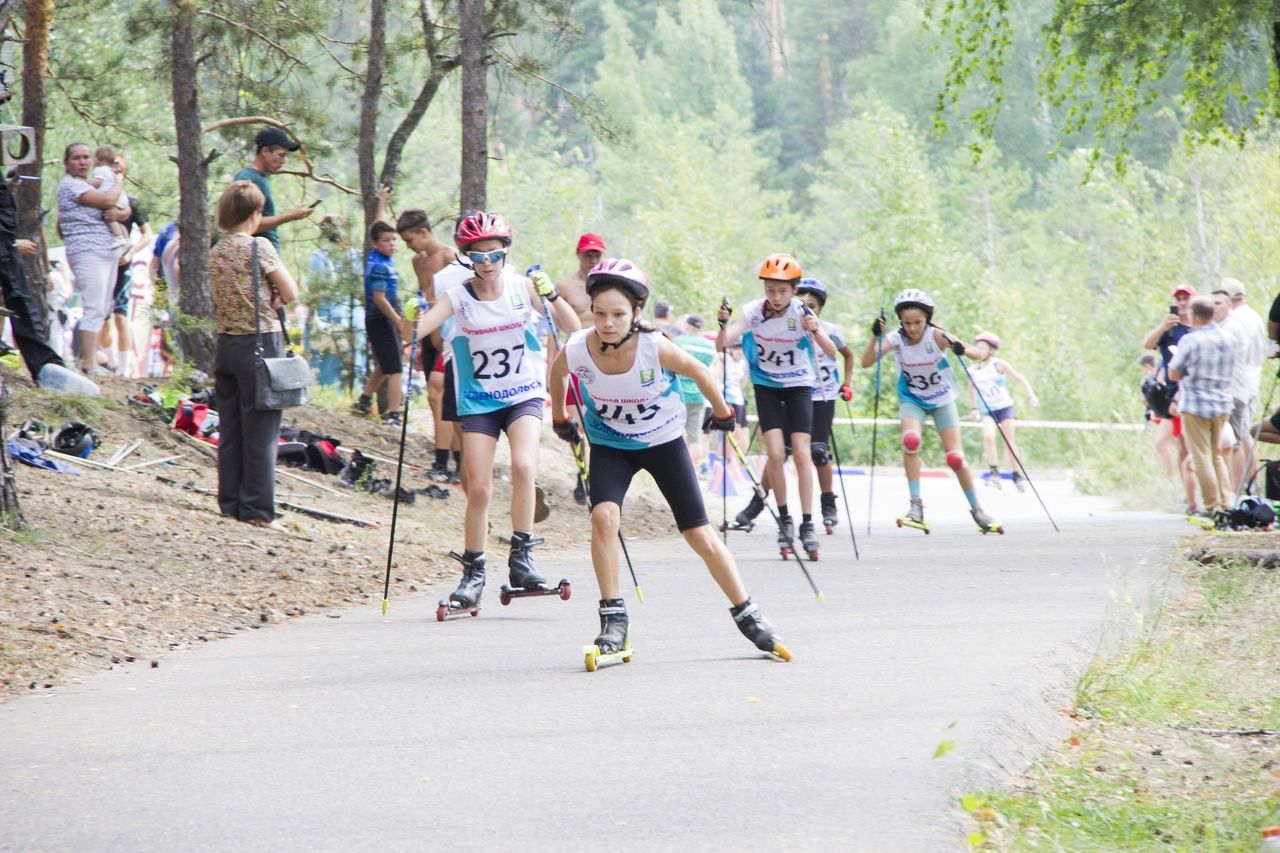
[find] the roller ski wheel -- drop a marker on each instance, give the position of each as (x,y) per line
(830,518)
(593,658)
(562,589)
(904,521)
(986,524)
(809,541)
(757,629)
(914,517)
(452,610)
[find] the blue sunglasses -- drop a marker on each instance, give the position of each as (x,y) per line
(487,257)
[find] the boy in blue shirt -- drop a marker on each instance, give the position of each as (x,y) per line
(383,322)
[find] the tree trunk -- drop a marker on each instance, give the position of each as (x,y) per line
(195,303)
(35,71)
(369,111)
(475,105)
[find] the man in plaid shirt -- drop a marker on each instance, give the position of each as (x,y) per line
(1203,366)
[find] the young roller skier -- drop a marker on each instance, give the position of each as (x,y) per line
(989,396)
(498,373)
(777,335)
(926,386)
(635,421)
(832,383)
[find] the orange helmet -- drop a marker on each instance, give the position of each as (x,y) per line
(781,267)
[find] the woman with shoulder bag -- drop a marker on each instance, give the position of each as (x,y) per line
(247,435)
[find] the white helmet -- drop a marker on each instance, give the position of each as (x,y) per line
(912,298)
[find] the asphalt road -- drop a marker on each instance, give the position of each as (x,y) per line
(365,733)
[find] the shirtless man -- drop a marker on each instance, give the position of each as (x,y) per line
(574,288)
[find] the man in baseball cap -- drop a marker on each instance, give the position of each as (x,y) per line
(591,242)
(1164,339)
(271,147)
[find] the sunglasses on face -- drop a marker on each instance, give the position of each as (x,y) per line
(487,257)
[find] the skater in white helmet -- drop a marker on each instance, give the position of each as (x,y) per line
(989,399)
(926,387)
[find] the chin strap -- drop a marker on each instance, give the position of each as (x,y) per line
(605,345)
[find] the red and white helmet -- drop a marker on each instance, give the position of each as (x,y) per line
(480,225)
(989,338)
(621,273)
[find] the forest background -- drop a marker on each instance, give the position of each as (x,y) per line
(697,136)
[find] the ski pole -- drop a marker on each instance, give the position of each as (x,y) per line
(960,358)
(404,428)
(875,422)
(755,484)
(813,361)
(579,451)
(724,441)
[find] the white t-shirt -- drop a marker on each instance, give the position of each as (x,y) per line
(107,175)
(1256,352)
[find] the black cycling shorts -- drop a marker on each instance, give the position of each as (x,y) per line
(824,412)
(787,409)
(671,468)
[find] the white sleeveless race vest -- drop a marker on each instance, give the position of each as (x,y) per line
(778,348)
(828,384)
(734,394)
(924,375)
(497,360)
(635,410)
(993,389)
(451,275)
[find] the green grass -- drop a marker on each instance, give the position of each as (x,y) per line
(1134,776)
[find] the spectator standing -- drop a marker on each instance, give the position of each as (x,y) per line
(271,148)
(83,213)
(1164,339)
(574,287)
(695,404)
(45,365)
(1203,367)
(383,321)
(1247,350)
(247,437)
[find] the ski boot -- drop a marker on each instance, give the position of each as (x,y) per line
(993,477)
(362,406)
(986,524)
(614,643)
(758,630)
(914,517)
(830,518)
(524,580)
(746,520)
(786,536)
(1019,482)
(465,600)
(809,541)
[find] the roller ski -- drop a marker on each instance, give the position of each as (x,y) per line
(745,520)
(524,581)
(809,541)
(786,537)
(1205,521)
(914,517)
(465,600)
(993,478)
(758,630)
(830,518)
(1019,482)
(986,524)
(614,643)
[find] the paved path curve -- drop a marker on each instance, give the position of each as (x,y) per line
(486,734)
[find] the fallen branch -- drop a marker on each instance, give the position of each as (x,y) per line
(1221,732)
(327,516)
(1261,557)
(124,451)
(137,465)
(205,447)
(282,473)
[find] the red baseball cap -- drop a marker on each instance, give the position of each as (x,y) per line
(1184,288)
(590,242)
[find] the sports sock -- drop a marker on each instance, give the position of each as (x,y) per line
(807,518)
(782,511)
(972,497)
(913,486)
(442,459)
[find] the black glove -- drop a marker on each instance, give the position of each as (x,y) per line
(566,431)
(957,347)
(722,424)
(877,327)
